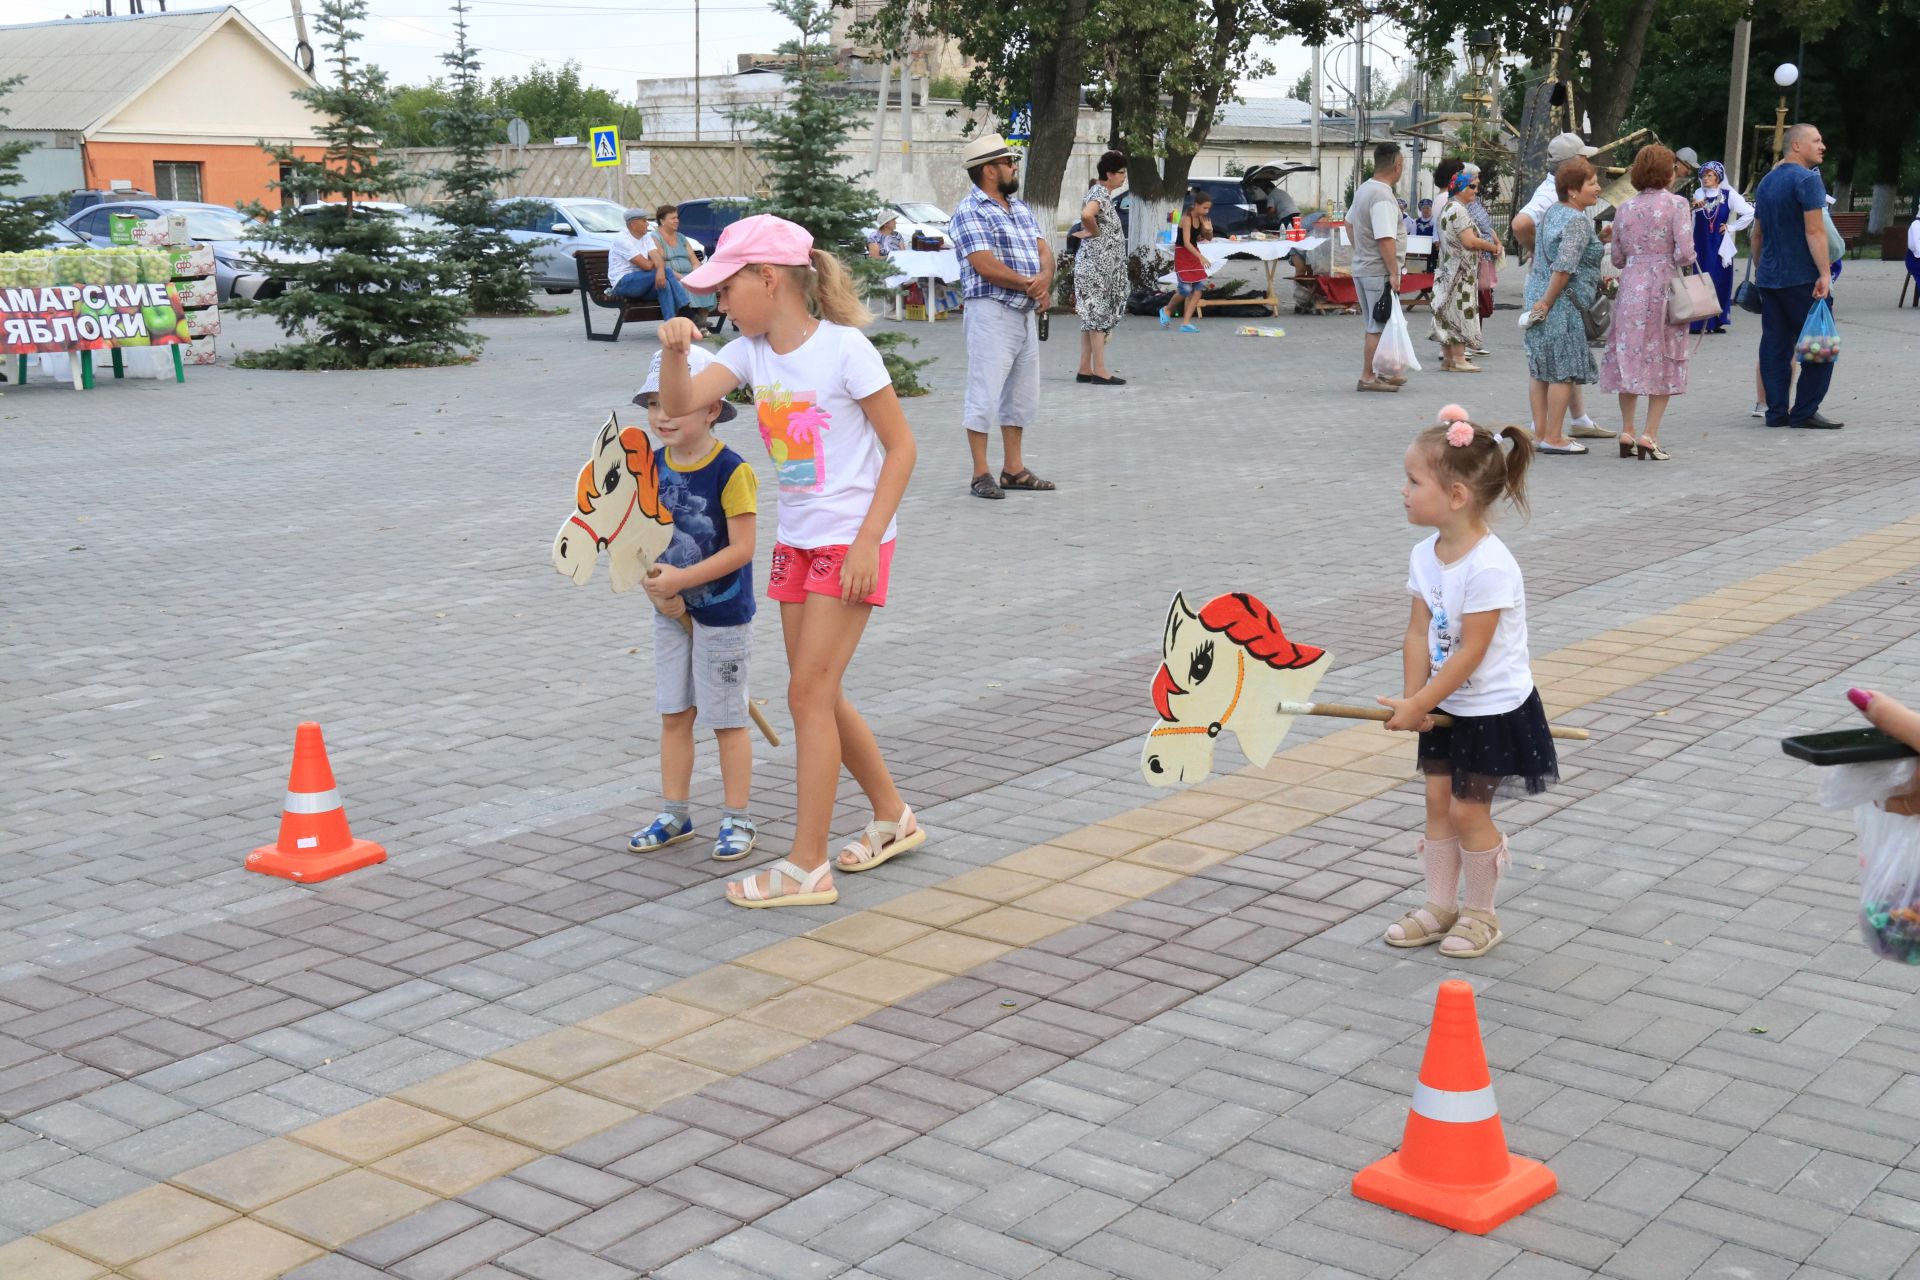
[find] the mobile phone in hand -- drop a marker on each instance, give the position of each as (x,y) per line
(1846,746)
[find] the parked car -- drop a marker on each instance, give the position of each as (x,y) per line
(1252,201)
(80,200)
(560,226)
(238,254)
(414,221)
(918,217)
(704,219)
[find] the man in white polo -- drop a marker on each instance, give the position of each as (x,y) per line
(1006,273)
(1563,147)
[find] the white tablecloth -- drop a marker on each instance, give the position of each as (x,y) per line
(1217,251)
(923,264)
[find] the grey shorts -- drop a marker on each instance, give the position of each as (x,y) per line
(706,671)
(1369,290)
(1003,366)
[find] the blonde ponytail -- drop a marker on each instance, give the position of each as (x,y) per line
(829,291)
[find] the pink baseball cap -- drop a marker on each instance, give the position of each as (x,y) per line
(761,238)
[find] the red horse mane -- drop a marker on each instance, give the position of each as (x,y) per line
(1252,626)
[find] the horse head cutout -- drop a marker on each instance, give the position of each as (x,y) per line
(617,508)
(1227,667)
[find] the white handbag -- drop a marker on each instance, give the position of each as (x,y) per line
(1691,297)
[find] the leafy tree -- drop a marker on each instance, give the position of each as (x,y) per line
(362,298)
(22,220)
(493,269)
(556,103)
(413,119)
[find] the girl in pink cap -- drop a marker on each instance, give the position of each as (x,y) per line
(842,453)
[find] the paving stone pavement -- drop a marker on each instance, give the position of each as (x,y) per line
(1180,1086)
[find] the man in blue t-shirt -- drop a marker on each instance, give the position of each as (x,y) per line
(1790,266)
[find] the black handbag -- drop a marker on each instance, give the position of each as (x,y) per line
(1746,294)
(1383,308)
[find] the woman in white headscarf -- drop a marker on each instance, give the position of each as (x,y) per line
(1719,213)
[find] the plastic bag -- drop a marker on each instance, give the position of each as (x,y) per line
(1889,853)
(1394,357)
(1819,337)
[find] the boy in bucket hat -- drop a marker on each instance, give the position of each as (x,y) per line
(706,573)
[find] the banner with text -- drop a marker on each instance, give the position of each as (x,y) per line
(89,300)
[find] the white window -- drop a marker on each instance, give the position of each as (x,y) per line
(176,180)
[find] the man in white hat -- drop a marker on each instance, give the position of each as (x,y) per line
(1006,273)
(1563,147)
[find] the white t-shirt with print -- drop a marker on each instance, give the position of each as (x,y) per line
(1484,579)
(826,455)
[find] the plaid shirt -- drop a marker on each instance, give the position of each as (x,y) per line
(1010,234)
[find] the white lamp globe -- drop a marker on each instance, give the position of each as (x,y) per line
(1786,75)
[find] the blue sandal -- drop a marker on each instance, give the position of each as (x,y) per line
(736,839)
(665,830)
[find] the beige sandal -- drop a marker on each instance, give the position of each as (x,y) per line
(1414,931)
(757,890)
(881,841)
(1479,930)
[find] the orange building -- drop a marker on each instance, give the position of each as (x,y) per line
(177,104)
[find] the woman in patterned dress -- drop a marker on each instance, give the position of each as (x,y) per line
(1560,287)
(1646,355)
(1100,271)
(1456,286)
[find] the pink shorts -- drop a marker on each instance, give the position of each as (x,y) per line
(799,570)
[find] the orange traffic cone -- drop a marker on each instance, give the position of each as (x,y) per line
(1453,1166)
(314,842)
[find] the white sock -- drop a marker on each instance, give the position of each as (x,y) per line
(1582,421)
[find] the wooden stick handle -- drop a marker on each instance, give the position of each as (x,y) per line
(1346,711)
(753,708)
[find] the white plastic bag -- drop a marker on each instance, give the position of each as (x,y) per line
(1394,357)
(1889,853)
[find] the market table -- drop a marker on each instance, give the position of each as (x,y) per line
(1269,252)
(927,266)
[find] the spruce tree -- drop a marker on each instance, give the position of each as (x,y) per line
(23,221)
(365,294)
(804,140)
(494,270)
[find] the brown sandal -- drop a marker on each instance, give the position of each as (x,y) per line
(1480,930)
(1025,479)
(1414,931)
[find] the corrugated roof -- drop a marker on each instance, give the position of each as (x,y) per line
(77,71)
(1264,113)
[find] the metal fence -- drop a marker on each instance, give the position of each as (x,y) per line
(676,171)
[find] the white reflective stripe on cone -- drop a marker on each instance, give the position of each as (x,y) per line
(1450,1107)
(313,801)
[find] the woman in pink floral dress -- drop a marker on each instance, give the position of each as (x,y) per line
(1646,355)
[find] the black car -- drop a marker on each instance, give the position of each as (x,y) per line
(1252,201)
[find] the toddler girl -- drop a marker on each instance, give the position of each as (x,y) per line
(1466,655)
(842,453)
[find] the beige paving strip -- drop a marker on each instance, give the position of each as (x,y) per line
(272,1206)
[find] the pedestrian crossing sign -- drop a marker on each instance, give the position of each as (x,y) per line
(606,146)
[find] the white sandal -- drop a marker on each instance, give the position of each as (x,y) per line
(754,893)
(881,841)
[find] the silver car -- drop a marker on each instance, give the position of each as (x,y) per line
(561,226)
(237,255)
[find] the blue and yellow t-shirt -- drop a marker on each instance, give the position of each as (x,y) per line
(702,498)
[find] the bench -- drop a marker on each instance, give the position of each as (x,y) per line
(1852,228)
(591,264)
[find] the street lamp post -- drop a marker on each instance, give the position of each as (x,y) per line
(1786,76)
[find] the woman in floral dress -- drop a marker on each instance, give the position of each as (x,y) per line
(1646,355)
(1100,271)
(1456,286)
(1561,284)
